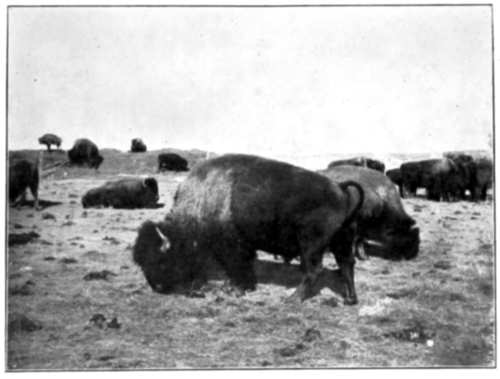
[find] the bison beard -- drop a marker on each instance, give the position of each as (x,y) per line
(231,206)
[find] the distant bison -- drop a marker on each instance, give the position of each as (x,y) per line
(476,174)
(24,174)
(172,162)
(50,139)
(85,152)
(138,146)
(360,161)
(384,227)
(124,193)
(396,178)
(233,205)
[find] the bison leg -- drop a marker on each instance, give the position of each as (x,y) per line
(34,192)
(239,267)
(345,250)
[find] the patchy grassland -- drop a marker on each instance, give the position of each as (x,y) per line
(67,286)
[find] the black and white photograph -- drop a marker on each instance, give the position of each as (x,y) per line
(249,186)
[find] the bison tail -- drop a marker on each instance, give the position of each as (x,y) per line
(344,185)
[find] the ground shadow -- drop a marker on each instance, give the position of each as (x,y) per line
(41,203)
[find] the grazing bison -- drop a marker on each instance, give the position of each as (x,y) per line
(24,174)
(437,176)
(396,178)
(138,146)
(476,174)
(231,206)
(172,162)
(50,139)
(360,161)
(126,193)
(384,228)
(85,152)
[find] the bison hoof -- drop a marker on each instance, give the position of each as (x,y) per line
(350,301)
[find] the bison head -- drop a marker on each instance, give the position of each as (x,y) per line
(167,256)
(395,242)
(95,161)
(151,185)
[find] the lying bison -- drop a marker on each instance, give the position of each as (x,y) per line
(360,161)
(126,193)
(23,174)
(138,146)
(171,162)
(50,139)
(233,205)
(384,228)
(85,152)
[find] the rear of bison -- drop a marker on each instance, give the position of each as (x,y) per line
(233,205)
(85,152)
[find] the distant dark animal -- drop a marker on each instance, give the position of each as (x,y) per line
(231,206)
(137,146)
(437,176)
(50,139)
(396,178)
(24,174)
(476,174)
(85,152)
(384,228)
(172,162)
(124,193)
(360,161)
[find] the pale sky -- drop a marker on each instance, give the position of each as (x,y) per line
(268,81)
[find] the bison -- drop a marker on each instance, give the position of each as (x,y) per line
(24,174)
(126,193)
(384,228)
(85,152)
(360,161)
(50,139)
(476,174)
(231,206)
(172,162)
(138,146)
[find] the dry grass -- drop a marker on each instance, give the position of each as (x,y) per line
(437,310)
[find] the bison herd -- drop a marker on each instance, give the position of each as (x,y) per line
(230,206)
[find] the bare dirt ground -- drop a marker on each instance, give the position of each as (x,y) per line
(77,301)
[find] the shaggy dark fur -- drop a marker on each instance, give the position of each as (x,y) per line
(138,146)
(360,161)
(23,174)
(396,178)
(172,162)
(233,205)
(85,152)
(124,193)
(384,227)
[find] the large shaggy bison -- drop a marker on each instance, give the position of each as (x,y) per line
(233,205)
(138,146)
(124,193)
(384,228)
(171,162)
(24,174)
(50,139)
(85,152)
(360,161)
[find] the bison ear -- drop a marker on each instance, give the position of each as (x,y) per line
(150,182)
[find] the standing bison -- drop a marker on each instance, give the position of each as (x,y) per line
(231,206)
(126,193)
(476,174)
(438,176)
(172,162)
(85,152)
(138,146)
(360,161)
(384,228)
(24,174)
(50,139)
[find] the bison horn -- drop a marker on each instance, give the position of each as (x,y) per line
(373,243)
(165,244)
